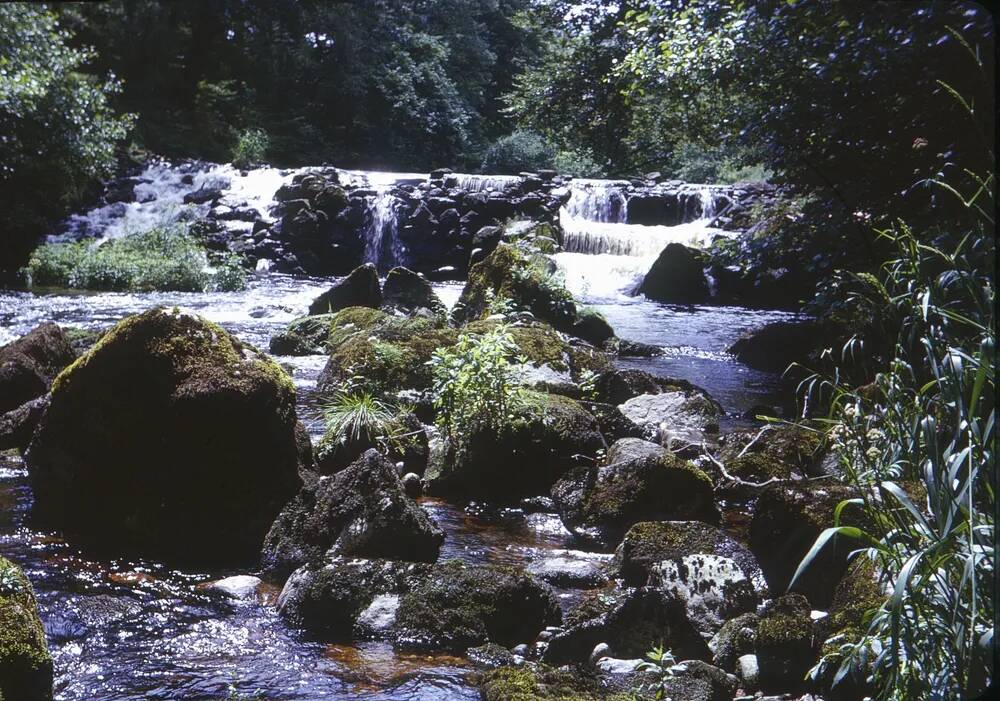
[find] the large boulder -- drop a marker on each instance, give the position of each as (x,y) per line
(306,335)
(712,587)
(382,352)
(359,289)
(778,452)
(631,624)
(545,436)
(461,605)
(641,482)
(407,291)
(169,439)
(679,418)
(362,511)
(25,664)
(330,598)
(787,644)
(779,344)
(29,364)
(787,519)
(649,543)
(677,277)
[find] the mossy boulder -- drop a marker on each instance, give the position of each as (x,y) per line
(642,482)
(29,364)
(306,335)
(591,326)
(651,542)
(460,605)
(380,352)
(25,664)
(168,439)
(407,291)
(327,598)
(545,436)
(736,637)
(362,511)
(787,519)
(543,683)
(359,289)
(778,452)
(633,624)
(786,643)
(525,277)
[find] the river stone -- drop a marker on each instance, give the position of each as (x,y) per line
(684,418)
(168,439)
(18,425)
(631,624)
(677,277)
(651,542)
(407,291)
(573,569)
(306,335)
(361,511)
(460,605)
(25,664)
(786,643)
(241,586)
(359,289)
(736,637)
(643,482)
(712,587)
(777,345)
(341,597)
(29,364)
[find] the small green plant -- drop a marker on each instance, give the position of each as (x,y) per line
(475,386)
(164,258)
(351,417)
(235,695)
(497,305)
(10,579)
(659,662)
(250,148)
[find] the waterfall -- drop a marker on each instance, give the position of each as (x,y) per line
(382,245)
(483,183)
(606,258)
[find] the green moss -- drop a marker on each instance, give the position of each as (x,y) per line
(543,684)
(758,467)
(857,594)
(25,664)
(350,321)
(786,623)
(307,335)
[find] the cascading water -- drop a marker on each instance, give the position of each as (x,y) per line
(484,183)
(605,258)
(382,245)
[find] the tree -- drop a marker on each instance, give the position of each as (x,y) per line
(58,129)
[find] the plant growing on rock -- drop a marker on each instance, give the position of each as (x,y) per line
(475,384)
(659,663)
(355,416)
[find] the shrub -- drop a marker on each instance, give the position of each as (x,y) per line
(475,386)
(578,163)
(250,148)
(158,259)
(353,417)
(521,151)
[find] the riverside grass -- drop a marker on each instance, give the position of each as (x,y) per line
(160,259)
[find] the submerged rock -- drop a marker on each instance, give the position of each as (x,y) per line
(362,511)
(545,436)
(25,664)
(29,364)
(461,605)
(642,482)
(359,289)
(168,439)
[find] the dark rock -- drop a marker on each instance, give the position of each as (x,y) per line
(29,364)
(592,327)
(612,422)
(203,195)
(17,426)
(787,519)
(786,644)
(407,291)
(362,511)
(306,335)
(540,683)
(490,656)
(695,680)
(626,348)
(545,436)
(461,605)
(359,289)
(642,482)
(169,438)
(328,598)
(640,620)
(779,344)
(677,277)
(736,637)
(25,664)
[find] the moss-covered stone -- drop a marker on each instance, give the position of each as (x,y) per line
(362,511)
(543,683)
(461,605)
(25,664)
(169,438)
(737,637)
(650,542)
(786,643)
(306,335)
(545,436)
(359,289)
(643,482)
(787,519)
(779,452)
